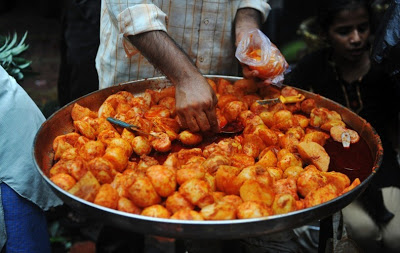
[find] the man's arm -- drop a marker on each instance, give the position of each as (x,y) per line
(246,19)
(195,99)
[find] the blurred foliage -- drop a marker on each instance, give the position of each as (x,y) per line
(292,51)
(10,55)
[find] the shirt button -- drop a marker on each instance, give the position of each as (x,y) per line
(206,21)
(201,59)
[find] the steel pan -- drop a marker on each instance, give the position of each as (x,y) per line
(61,123)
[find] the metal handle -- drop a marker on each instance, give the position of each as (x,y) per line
(282,99)
(121,123)
(292,99)
(130,126)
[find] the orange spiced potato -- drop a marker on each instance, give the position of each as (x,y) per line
(276,165)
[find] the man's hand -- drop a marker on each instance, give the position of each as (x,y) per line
(253,74)
(248,19)
(195,99)
(195,105)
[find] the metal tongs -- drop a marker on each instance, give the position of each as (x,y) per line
(129,126)
(282,99)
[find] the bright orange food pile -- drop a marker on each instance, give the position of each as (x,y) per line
(277,165)
(275,66)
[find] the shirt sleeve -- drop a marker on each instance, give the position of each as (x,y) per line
(261,5)
(134,17)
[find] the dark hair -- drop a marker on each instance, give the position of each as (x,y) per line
(328,9)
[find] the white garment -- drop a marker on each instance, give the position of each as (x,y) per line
(20,118)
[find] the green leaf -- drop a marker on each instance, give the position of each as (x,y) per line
(20,60)
(18,50)
(19,76)
(25,65)
(12,43)
(9,51)
(23,39)
(14,71)
(5,54)
(5,44)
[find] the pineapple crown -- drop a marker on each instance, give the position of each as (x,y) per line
(9,55)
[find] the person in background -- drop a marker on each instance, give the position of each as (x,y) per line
(80,31)
(179,39)
(344,72)
(23,193)
(386,47)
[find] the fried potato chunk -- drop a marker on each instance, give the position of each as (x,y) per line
(63,180)
(242,160)
(121,183)
(107,196)
(315,154)
(92,149)
(190,171)
(252,190)
(160,142)
(190,139)
(187,214)
(316,136)
(75,168)
(219,211)
(321,195)
(85,129)
(117,156)
(156,211)
(163,179)
(284,203)
(78,112)
(64,142)
(197,192)
(292,171)
(143,194)
(339,180)
(353,185)
(225,179)
(253,209)
(212,163)
(86,188)
(310,180)
(141,145)
(176,202)
(102,169)
(126,205)
(286,186)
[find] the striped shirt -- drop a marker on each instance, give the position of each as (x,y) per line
(203,29)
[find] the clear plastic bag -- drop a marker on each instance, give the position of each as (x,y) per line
(258,53)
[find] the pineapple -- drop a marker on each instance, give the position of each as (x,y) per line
(9,55)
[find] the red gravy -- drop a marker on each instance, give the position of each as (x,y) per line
(355,161)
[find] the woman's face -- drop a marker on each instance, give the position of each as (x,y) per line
(349,34)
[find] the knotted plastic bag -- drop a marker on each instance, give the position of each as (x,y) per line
(258,53)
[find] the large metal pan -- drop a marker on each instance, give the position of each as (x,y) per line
(61,123)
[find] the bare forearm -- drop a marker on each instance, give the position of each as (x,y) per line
(195,99)
(161,51)
(246,19)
